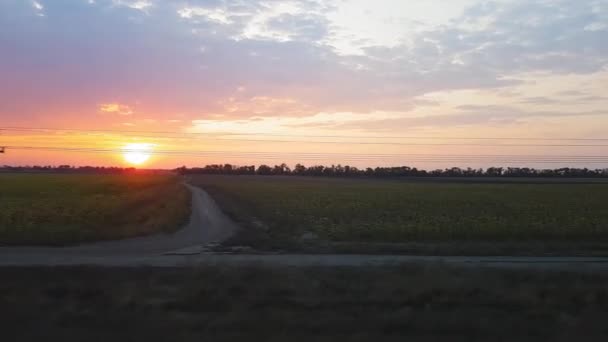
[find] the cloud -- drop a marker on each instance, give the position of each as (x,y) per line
(278,21)
(570,93)
(215,15)
(141,5)
(38,7)
(468,116)
(291,58)
(592,98)
(539,100)
(115,108)
(596,26)
(279,124)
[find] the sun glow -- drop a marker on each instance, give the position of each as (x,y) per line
(136,153)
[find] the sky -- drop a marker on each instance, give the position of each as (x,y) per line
(366,83)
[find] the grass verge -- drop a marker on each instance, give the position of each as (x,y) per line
(419,303)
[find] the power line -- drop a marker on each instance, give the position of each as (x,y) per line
(431,158)
(402,143)
(298,153)
(164,134)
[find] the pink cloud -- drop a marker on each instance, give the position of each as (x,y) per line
(115,108)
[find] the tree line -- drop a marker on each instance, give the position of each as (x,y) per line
(332,171)
(387,172)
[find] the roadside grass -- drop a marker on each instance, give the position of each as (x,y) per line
(376,215)
(420,303)
(60,209)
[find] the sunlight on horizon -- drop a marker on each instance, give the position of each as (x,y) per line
(137,153)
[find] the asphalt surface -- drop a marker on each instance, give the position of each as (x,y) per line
(208,225)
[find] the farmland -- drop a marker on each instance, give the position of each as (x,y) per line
(60,209)
(371,211)
(410,302)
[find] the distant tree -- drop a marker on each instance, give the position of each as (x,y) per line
(299,169)
(494,171)
(264,170)
(281,169)
(350,171)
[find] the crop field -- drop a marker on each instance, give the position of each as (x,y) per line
(59,209)
(408,303)
(389,211)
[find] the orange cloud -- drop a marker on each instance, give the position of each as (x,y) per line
(115,108)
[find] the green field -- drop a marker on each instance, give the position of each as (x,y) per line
(363,210)
(58,209)
(408,303)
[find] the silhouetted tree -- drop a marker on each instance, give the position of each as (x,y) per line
(382,172)
(264,170)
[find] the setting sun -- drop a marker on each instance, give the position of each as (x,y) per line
(136,153)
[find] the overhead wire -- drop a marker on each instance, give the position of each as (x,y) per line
(537,159)
(271,155)
(334,142)
(163,134)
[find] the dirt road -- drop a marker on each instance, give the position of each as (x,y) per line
(208,225)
